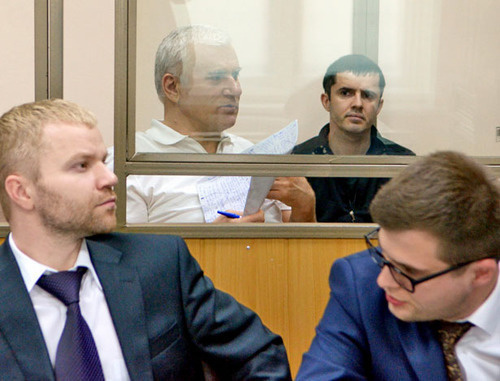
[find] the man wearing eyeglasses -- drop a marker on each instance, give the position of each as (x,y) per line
(435,260)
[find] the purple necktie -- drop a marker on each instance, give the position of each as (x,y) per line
(76,356)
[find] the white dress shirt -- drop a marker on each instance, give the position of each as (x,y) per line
(175,199)
(478,351)
(51,312)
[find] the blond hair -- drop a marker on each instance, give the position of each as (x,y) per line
(21,130)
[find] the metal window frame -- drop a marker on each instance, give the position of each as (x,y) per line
(48,49)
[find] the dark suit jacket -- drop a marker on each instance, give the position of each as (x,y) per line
(167,314)
(358,338)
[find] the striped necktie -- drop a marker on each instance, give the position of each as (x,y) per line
(76,356)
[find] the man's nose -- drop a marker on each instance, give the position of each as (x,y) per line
(385,279)
(232,87)
(106,177)
(357,101)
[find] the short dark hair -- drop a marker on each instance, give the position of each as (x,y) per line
(354,63)
(449,196)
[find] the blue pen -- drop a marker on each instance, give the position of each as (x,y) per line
(227,214)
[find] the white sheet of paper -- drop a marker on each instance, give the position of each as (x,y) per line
(279,143)
(222,193)
(257,192)
(244,193)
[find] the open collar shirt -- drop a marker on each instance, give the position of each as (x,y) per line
(175,199)
(51,312)
(346,199)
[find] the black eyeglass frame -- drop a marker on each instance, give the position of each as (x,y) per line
(380,261)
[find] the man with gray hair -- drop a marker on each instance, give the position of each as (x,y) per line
(197,80)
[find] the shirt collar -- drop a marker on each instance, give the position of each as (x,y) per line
(486,316)
(168,136)
(164,134)
(32,270)
(376,146)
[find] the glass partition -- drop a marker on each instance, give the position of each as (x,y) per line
(283,48)
(439,65)
(441,59)
(431,100)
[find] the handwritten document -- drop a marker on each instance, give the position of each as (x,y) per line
(244,193)
(280,143)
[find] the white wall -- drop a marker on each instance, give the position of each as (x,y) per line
(89,59)
(17,69)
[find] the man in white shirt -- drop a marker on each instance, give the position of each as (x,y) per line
(143,308)
(435,260)
(197,81)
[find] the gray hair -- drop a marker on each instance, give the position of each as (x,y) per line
(173,52)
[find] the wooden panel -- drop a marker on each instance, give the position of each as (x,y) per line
(284,280)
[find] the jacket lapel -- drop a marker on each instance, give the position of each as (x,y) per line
(18,321)
(422,350)
(123,294)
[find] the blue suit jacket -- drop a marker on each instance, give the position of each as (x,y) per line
(167,314)
(358,338)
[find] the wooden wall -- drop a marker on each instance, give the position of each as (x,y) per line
(284,280)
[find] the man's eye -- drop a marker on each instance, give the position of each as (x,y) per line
(345,93)
(215,77)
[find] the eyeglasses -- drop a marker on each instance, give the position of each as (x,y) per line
(405,281)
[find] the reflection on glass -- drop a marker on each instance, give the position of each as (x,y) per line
(353,89)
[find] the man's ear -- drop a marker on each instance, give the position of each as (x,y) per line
(484,271)
(325,101)
(171,87)
(19,189)
(380,104)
